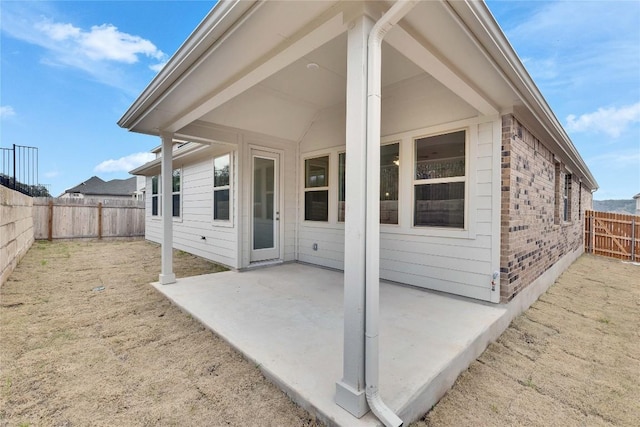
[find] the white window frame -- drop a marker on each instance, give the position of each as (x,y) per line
(157,195)
(464,179)
(177,193)
(400,190)
(340,153)
(229,187)
(326,187)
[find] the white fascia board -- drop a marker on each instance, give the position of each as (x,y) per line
(183,153)
(295,49)
(417,52)
(219,21)
(515,74)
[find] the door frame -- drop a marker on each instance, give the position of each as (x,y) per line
(277,156)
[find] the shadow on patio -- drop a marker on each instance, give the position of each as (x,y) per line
(288,320)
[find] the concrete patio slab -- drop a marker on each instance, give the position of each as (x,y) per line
(288,320)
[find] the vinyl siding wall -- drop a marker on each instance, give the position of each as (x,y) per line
(229,243)
(456,261)
(196,221)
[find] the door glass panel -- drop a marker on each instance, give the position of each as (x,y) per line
(263,206)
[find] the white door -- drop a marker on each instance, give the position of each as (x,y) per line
(265,215)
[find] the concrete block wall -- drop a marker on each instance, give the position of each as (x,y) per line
(16,229)
(533,234)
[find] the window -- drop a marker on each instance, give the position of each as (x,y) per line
(221,188)
(316,196)
(566,198)
(155,196)
(342,158)
(175,192)
(580,200)
(389,175)
(439,180)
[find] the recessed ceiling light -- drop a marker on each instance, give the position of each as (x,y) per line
(312,66)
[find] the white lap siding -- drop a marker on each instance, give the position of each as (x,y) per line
(455,261)
(220,243)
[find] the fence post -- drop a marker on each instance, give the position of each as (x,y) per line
(50,231)
(633,240)
(593,232)
(100,220)
(14,166)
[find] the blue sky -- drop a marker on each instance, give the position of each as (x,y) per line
(70,69)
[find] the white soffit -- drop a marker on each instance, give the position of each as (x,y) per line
(286,47)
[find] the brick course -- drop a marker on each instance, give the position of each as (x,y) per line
(533,233)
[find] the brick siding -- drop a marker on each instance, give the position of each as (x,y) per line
(533,232)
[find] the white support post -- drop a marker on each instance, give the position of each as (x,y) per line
(166,167)
(350,391)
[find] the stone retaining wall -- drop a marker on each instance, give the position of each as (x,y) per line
(16,229)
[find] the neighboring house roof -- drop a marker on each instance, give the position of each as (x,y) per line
(247,56)
(95,186)
(637,196)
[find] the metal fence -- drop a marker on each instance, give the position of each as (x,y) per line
(19,170)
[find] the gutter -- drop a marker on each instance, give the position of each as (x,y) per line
(521,82)
(372,227)
(220,21)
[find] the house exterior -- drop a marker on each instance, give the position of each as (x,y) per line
(96,189)
(267,115)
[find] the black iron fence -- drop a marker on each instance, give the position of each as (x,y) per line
(19,170)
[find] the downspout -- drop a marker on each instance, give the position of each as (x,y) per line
(372,233)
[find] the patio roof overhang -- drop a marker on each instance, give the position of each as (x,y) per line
(245,66)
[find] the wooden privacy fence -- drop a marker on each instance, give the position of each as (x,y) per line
(78,218)
(612,235)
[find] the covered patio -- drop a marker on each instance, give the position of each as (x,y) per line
(288,320)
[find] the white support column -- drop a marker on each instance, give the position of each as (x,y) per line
(166,167)
(350,391)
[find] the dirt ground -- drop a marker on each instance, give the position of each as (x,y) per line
(572,359)
(84,340)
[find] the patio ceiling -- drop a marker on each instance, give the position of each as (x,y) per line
(286,104)
(257,69)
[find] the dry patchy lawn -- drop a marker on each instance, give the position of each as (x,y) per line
(572,359)
(85,340)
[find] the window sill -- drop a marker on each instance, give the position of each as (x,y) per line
(159,218)
(222,223)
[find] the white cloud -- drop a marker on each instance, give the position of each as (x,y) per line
(106,42)
(101,43)
(158,67)
(611,121)
(6,111)
(100,51)
(58,31)
(52,174)
(577,47)
(124,164)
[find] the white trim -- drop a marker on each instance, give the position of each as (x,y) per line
(223,222)
(496,205)
(179,193)
(278,189)
(455,231)
(331,204)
